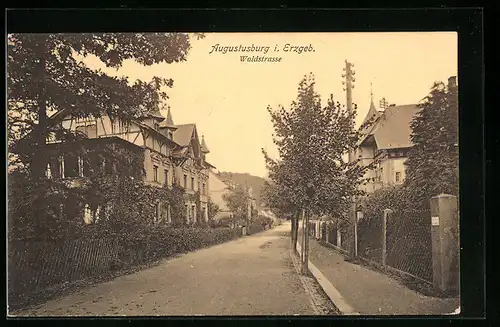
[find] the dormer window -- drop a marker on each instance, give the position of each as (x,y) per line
(170,135)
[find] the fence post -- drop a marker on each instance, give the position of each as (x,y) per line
(303,237)
(386,214)
(339,238)
(445,242)
(315,229)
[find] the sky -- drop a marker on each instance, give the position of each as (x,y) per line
(227,99)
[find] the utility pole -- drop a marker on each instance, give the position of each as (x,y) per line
(348,86)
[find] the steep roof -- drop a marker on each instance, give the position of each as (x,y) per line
(204,147)
(372,112)
(156,114)
(393,128)
(168,122)
(183,134)
(371,117)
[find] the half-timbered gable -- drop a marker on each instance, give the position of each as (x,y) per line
(172,154)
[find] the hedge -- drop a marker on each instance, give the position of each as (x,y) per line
(163,242)
(97,253)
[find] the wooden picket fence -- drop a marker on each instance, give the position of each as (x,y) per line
(35,264)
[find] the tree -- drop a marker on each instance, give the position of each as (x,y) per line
(312,140)
(213,210)
(432,164)
(44,75)
(275,197)
(237,201)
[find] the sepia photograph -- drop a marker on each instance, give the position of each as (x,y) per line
(232,174)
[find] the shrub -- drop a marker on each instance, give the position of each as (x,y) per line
(255,228)
(164,241)
(259,224)
(225,221)
(394,197)
(29,272)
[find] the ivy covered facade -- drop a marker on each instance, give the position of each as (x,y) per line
(114,165)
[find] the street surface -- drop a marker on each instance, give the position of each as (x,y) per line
(253,275)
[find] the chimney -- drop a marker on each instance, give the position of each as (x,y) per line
(452,82)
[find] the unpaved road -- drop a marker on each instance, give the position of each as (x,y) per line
(253,275)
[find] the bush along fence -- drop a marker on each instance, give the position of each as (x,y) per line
(36,265)
(419,246)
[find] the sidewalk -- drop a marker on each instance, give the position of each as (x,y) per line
(372,293)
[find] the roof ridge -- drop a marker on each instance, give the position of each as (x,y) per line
(185,124)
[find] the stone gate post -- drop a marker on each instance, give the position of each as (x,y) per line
(445,242)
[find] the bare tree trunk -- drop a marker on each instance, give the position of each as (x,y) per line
(39,161)
(38,164)
(295,229)
(305,263)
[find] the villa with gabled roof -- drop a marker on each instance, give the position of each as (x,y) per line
(385,138)
(173,154)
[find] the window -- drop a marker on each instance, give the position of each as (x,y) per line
(187,213)
(155,173)
(166,176)
(61,167)
(89,130)
(87,215)
(100,213)
(170,135)
(48,172)
(55,167)
(157,213)
(193,213)
(185,180)
(165,212)
(398,177)
(71,165)
(192,183)
(80,166)
(204,214)
(157,126)
(204,189)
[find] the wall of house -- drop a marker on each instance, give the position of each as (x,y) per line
(397,166)
(386,174)
(162,163)
(156,157)
(195,179)
(217,190)
(366,154)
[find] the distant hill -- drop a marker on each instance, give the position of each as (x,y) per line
(254,182)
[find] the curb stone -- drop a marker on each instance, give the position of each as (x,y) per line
(332,293)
